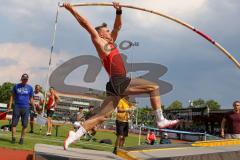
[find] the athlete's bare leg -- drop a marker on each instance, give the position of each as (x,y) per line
(49,126)
(107,107)
(142,86)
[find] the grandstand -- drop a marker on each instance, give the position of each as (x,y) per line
(70,104)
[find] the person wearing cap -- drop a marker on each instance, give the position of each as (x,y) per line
(22,95)
(124,108)
(164,139)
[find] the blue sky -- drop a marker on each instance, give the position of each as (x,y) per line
(196,69)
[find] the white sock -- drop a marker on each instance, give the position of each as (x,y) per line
(159,115)
(80,132)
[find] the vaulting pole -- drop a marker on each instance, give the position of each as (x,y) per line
(223,50)
(49,67)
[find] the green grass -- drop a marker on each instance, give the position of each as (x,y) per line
(31,139)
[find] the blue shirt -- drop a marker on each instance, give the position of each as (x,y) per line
(22,94)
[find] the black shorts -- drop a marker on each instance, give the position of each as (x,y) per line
(117,85)
(50,113)
(121,128)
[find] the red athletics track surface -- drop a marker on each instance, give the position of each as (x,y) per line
(13,154)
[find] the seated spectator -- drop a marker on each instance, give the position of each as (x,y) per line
(164,139)
(151,138)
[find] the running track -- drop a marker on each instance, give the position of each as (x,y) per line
(13,154)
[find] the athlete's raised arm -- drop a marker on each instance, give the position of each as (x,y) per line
(118,21)
(83,22)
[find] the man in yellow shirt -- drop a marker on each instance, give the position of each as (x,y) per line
(123,109)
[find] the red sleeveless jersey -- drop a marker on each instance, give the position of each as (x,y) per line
(113,63)
(51,102)
(151,137)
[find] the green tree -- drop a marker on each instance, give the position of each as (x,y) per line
(144,116)
(213,105)
(198,103)
(175,105)
(5,92)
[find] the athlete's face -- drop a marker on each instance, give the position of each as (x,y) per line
(51,90)
(105,33)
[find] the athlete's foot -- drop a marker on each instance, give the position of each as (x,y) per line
(167,123)
(48,134)
(70,138)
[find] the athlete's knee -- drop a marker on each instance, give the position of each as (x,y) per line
(153,87)
(102,118)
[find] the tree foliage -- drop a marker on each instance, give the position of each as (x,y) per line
(213,105)
(144,116)
(5,91)
(198,103)
(175,105)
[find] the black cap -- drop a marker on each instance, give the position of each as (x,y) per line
(24,76)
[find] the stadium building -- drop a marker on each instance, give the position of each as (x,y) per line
(70,104)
